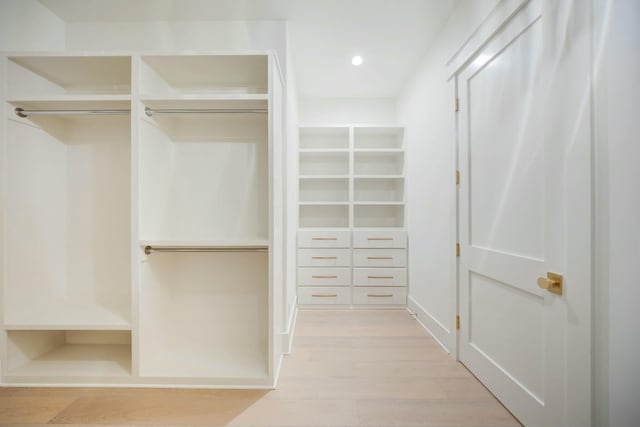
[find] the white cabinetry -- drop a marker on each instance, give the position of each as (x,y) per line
(351,196)
(138,219)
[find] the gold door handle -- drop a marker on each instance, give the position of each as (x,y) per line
(324,257)
(324,238)
(552,283)
(324,277)
(379,277)
(380,295)
(380,238)
(324,295)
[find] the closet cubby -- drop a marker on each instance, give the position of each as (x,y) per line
(324,190)
(378,138)
(202,75)
(204,315)
(378,215)
(324,138)
(324,164)
(203,177)
(325,215)
(68,353)
(67,218)
(381,163)
(42,77)
(378,190)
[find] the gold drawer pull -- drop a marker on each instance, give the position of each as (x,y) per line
(324,257)
(324,238)
(324,277)
(324,295)
(380,277)
(379,257)
(380,238)
(380,295)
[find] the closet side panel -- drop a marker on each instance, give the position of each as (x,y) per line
(35,219)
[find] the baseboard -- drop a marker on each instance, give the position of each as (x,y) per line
(436,329)
(287,336)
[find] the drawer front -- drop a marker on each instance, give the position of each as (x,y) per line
(380,239)
(379,258)
(324,295)
(324,257)
(324,276)
(324,239)
(379,296)
(380,277)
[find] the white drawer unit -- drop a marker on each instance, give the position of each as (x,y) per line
(324,239)
(376,295)
(324,257)
(324,295)
(379,239)
(379,258)
(324,276)
(379,277)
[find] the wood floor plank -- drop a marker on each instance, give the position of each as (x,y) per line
(348,368)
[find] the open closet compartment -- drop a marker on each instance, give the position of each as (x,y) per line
(67,194)
(141,194)
(206,129)
(68,354)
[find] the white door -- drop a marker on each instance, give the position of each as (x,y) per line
(516,207)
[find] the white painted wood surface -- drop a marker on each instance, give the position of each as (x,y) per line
(521,207)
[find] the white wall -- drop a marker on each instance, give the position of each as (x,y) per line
(426,106)
(176,35)
(27,25)
(617,292)
(347,111)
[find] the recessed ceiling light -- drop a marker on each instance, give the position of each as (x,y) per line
(356,60)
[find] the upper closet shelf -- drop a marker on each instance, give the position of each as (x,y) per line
(32,77)
(204,74)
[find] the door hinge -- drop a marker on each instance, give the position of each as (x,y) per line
(457,249)
(457,322)
(457,177)
(457,105)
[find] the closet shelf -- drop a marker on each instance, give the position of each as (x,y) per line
(328,203)
(323,176)
(57,316)
(207,97)
(378,203)
(323,150)
(390,176)
(378,150)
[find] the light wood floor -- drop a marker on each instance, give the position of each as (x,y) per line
(347,368)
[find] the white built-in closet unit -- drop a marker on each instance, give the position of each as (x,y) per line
(352,239)
(138,219)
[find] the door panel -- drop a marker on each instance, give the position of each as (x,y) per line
(506,338)
(494,333)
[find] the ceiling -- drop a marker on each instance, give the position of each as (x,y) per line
(391,35)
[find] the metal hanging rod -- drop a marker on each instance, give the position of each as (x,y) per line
(150,112)
(150,249)
(20,112)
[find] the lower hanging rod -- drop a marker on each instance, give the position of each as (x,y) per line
(20,112)
(150,112)
(150,249)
